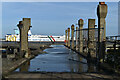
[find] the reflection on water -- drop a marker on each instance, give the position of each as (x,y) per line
(58,59)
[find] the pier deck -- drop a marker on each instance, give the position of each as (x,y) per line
(53,65)
(62,76)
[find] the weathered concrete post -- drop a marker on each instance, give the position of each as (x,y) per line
(91,37)
(76,38)
(25,67)
(24,27)
(72,36)
(101,13)
(80,36)
(68,38)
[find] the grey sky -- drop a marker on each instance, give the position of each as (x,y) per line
(52,18)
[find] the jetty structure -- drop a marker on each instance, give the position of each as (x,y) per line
(82,53)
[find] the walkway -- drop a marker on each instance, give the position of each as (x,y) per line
(61,63)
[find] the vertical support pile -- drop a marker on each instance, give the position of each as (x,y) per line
(69,37)
(76,38)
(72,36)
(80,36)
(101,13)
(66,37)
(24,27)
(25,67)
(91,37)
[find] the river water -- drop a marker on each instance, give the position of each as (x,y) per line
(58,59)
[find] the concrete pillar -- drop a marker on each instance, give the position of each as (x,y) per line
(24,27)
(72,36)
(80,23)
(25,67)
(76,38)
(68,38)
(91,37)
(101,13)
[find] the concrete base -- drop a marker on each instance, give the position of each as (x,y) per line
(61,76)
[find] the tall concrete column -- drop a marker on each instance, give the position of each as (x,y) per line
(101,13)
(72,36)
(80,23)
(24,27)
(68,37)
(76,38)
(91,37)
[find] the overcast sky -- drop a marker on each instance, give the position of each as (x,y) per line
(52,18)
